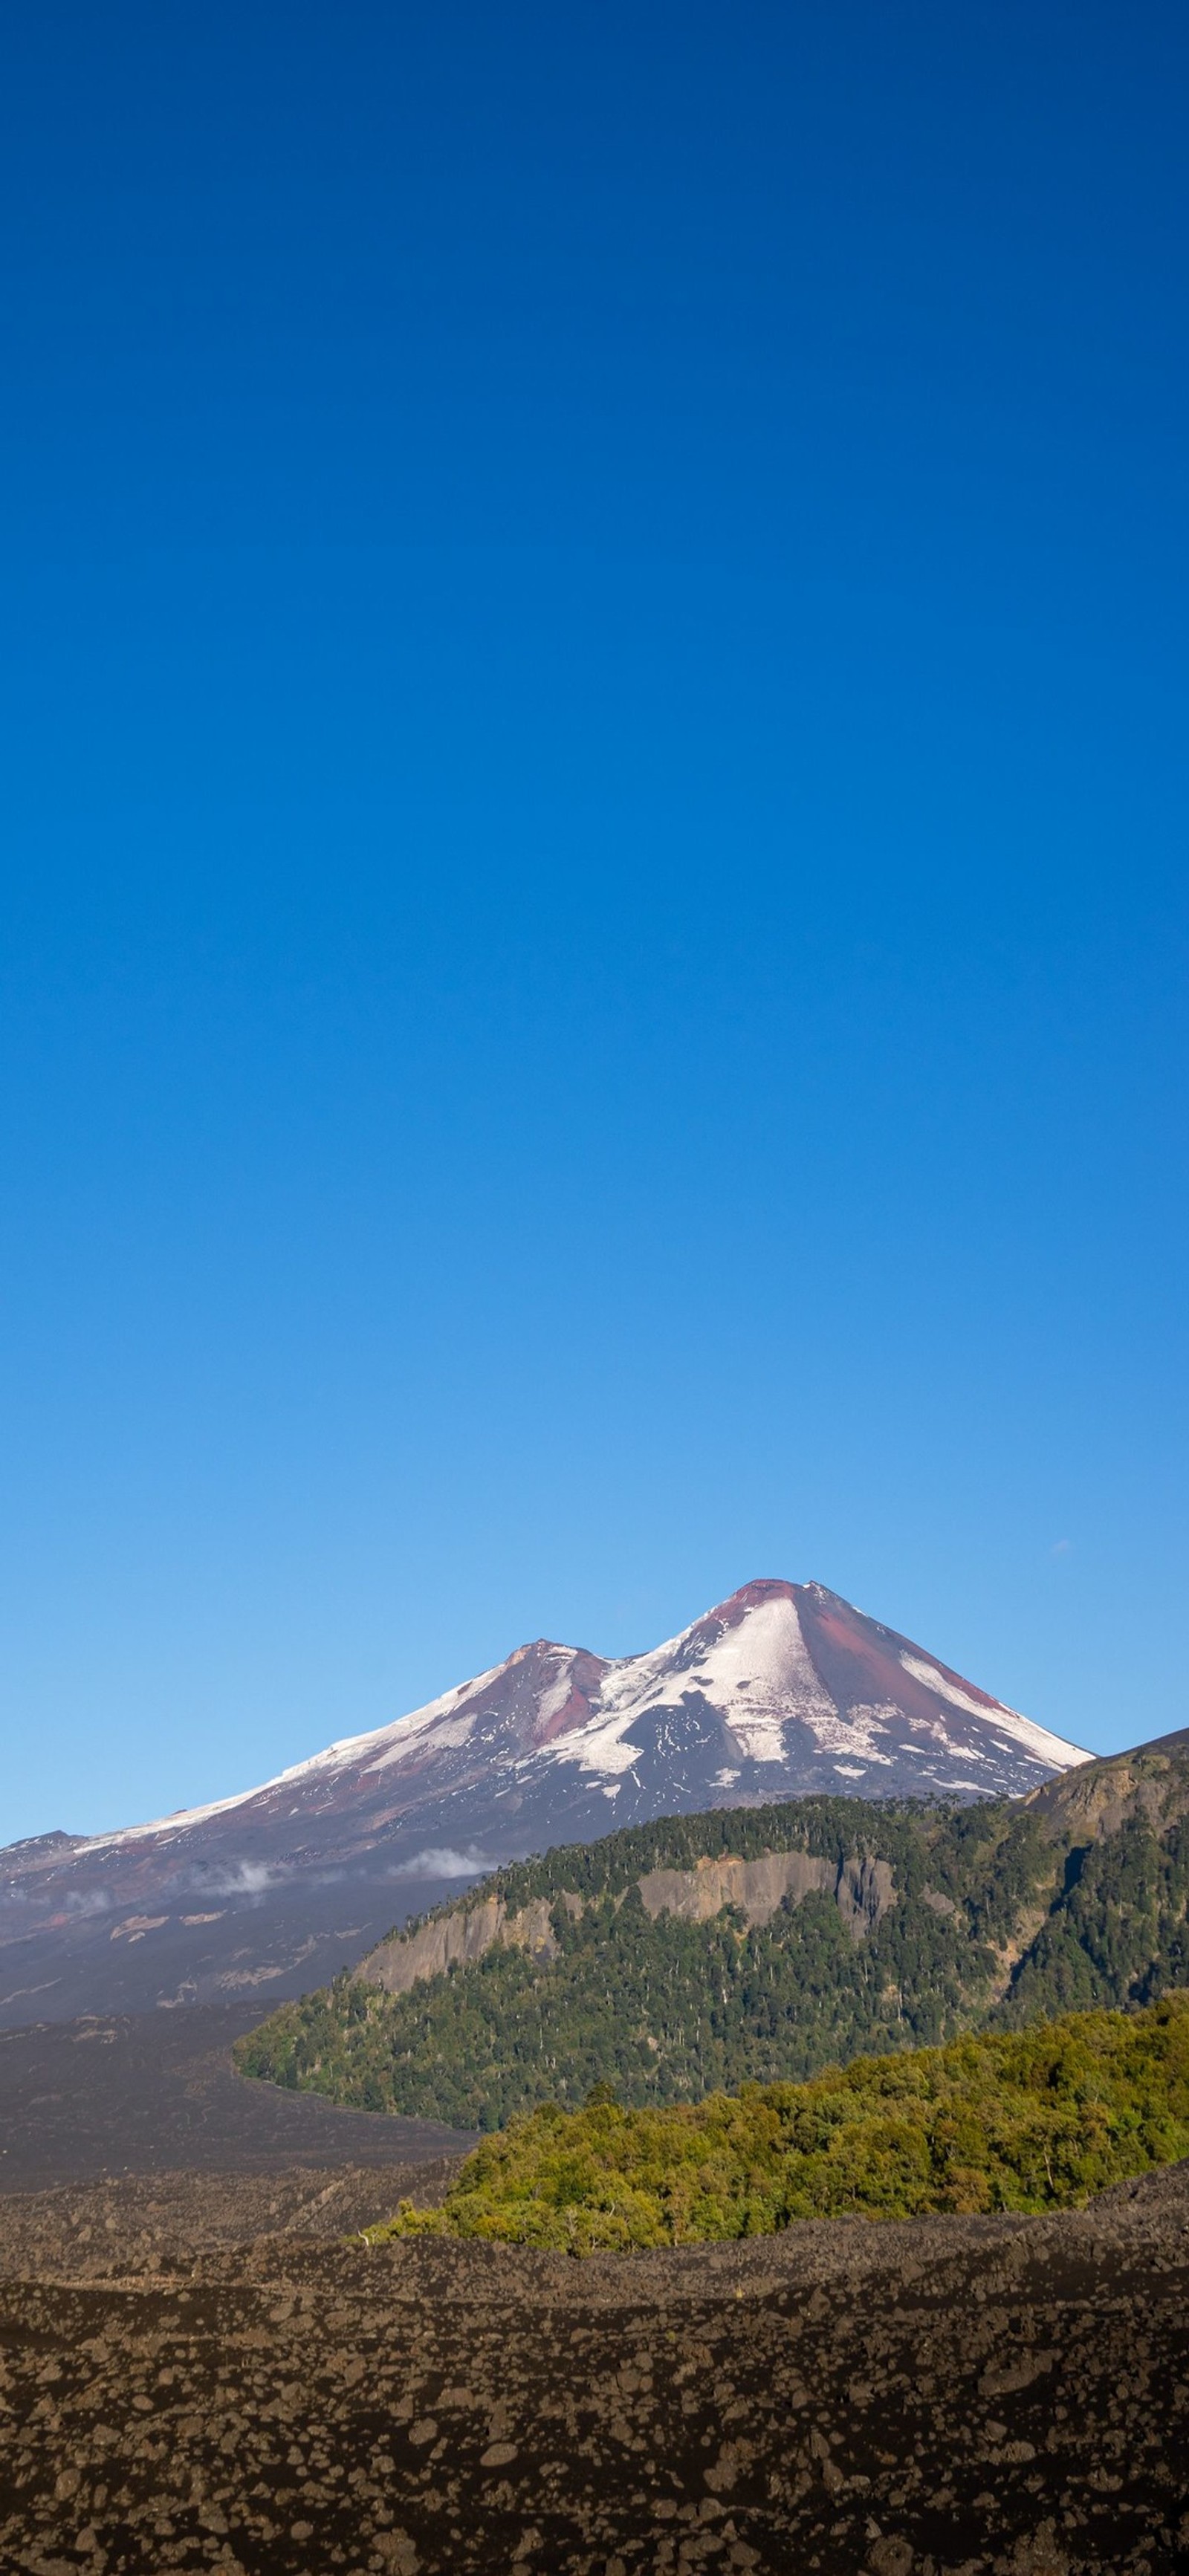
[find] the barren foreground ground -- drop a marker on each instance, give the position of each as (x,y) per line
(196,2372)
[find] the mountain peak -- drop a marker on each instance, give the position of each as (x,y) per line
(781,1690)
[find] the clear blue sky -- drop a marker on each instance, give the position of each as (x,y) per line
(594,821)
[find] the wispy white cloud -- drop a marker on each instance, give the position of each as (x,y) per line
(443,1863)
(239,1878)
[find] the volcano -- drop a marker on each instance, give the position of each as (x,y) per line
(782,1691)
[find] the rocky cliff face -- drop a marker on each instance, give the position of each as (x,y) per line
(862,1888)
(756,1887)
(457,1940)
(1151,1782)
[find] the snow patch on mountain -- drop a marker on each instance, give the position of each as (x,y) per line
(401,1736)
(1049,1750)
(755,1671)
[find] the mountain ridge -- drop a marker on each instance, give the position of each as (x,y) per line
(782,1689)
(758,1944)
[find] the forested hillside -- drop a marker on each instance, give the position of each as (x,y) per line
(1027,2120)
(604,1967)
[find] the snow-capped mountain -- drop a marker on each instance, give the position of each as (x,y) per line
(783,1690)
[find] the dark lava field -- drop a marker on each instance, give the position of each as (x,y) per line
(197,2371)
(156,2092)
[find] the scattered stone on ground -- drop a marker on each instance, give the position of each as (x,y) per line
(198,2373)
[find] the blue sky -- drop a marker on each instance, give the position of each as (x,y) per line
(592,983)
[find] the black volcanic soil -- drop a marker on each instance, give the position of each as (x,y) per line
(194,2373)
(156,2093)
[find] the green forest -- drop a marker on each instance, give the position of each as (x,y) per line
(1001,1918)
(1029,2120)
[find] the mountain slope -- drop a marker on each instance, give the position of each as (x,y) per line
(759,1945)
(782,1690)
